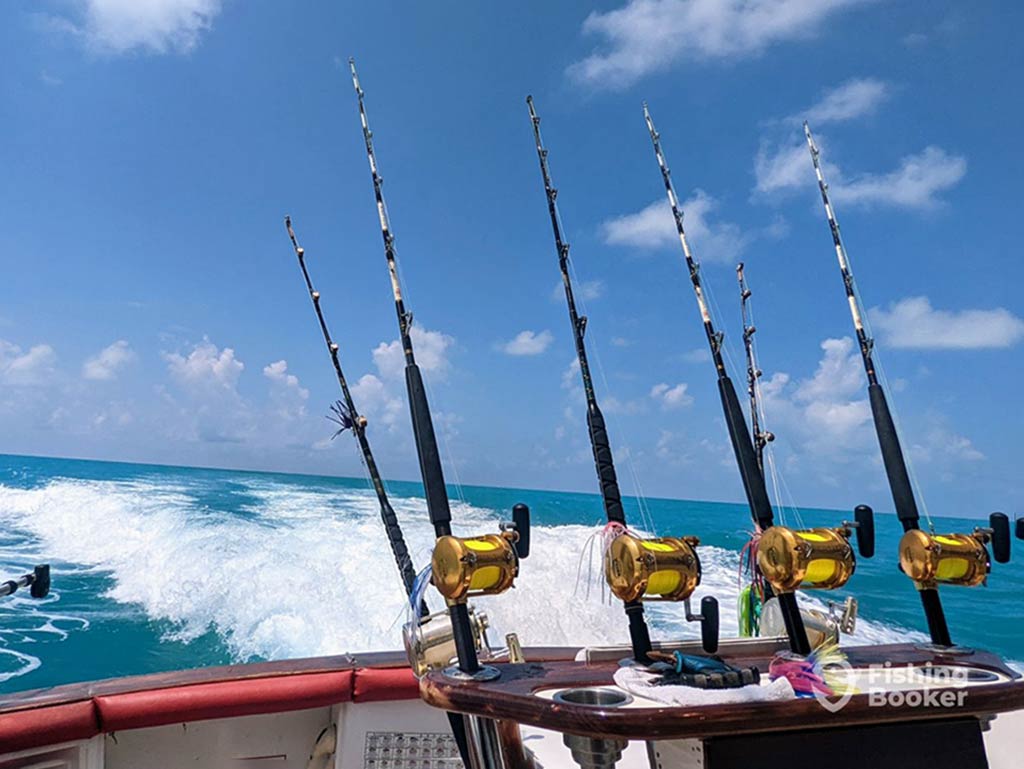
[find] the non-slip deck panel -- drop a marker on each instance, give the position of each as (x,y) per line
(37,727)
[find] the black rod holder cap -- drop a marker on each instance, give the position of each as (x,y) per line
(709,624)
(40,581)
(1000,525)
(521,518)
(865,518)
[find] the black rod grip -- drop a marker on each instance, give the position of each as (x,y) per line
(746,458)
(937,627)
(639,635)
(465,646)
(1000,525)
(892,457)
(605,465)
(426,448)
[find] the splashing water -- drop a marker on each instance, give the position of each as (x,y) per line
(160,568)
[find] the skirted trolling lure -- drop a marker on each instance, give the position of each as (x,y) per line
(817,674)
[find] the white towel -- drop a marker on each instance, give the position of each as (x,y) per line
(638,682)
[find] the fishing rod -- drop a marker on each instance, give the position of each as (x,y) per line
(761,437)
(623,551)
(38,582)
(743,446)
(920,553)
(348,418)
(455,561)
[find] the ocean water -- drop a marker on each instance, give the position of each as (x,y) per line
(159,568)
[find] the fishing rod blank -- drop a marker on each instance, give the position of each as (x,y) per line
(761,437)
(673,557)
(38,582)
(920,556)
(348,418)
(743,446)
(455,560)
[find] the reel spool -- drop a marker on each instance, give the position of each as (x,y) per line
(661,569)
(931,560)
(430,643)
(467,567)
(820,558)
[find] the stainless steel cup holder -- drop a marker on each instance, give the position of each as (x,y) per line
(593,697)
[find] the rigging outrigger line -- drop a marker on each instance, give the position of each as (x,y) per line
(38,582)
(660,569)
(928,559)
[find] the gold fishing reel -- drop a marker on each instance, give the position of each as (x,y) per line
(820,558)
(662,569)
(954,559)
(467,567)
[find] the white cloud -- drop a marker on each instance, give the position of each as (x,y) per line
(620,341)
(375,402)
(671,397)
(528,343)
(915,184)
(28,367)
(913,323)
(786,167)
(653,227)
(277,372)
(431,348)
(157,26)
(646,36)
(826,415)
(852,99)
(105,364)
(570,375)
(205,367)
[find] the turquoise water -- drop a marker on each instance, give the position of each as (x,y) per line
(159,568)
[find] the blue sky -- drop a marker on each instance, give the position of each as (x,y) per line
(151,308)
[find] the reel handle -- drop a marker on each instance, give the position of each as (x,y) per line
(709,622)
(521,520)
(1020,528)
(864,517)
(709,625)
(1000,525)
